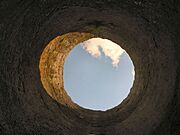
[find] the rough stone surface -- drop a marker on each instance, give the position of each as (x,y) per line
(52,65)
(148,30)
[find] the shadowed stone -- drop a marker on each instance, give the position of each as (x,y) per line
(148,30)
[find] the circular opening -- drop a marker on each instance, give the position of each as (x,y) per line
(90,58)
(98,74)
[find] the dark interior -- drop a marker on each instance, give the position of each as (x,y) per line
(148,30)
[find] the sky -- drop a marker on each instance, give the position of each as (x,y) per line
(98,74)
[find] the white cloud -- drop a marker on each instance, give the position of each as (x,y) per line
(110,49)
(133,73)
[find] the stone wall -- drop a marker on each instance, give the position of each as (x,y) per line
(148,30)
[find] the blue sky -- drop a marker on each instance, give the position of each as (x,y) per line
(93,82)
